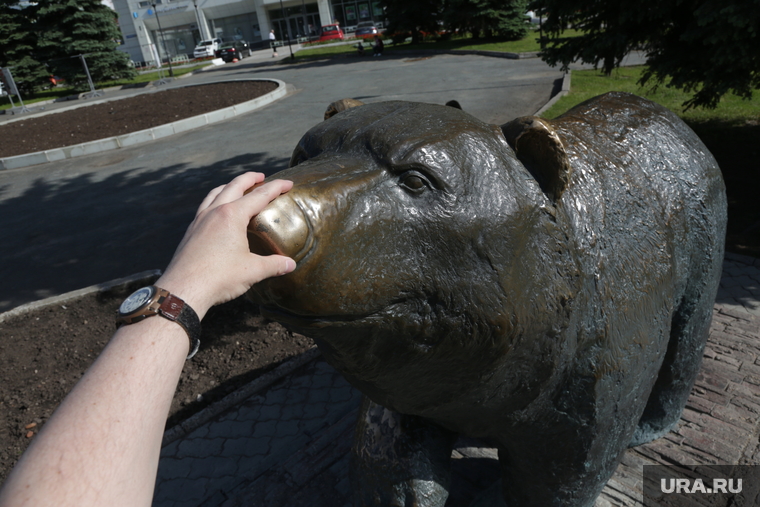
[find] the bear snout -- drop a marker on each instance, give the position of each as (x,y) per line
(281,228)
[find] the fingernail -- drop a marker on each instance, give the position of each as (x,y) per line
(290,266)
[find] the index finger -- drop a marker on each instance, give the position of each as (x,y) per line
(258,197)
(236,188)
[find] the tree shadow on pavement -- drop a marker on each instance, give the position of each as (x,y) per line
(71,233)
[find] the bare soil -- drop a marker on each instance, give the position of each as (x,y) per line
(45,352)
(122,116)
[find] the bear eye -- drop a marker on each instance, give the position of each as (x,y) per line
(414,182)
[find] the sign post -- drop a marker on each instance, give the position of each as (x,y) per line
(13,90)
(93,92)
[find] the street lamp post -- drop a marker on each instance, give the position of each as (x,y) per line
(287,29)
(303,15)
(161,32)
(198,20)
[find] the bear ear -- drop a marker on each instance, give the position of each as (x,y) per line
(341,105)
(454,103)
(540,149)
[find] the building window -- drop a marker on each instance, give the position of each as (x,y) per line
(350,12)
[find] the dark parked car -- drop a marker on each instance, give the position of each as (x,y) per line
(366,30)
(235,49)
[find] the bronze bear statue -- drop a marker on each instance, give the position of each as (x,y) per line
(545,285)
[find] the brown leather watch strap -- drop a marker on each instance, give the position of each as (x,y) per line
(171,307)
(175,309)
(161,302)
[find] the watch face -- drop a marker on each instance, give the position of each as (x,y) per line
(136,300)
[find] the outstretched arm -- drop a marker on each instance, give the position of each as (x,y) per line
(102,444)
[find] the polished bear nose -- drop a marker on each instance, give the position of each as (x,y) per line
(281,228)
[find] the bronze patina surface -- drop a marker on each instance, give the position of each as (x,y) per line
(545,285)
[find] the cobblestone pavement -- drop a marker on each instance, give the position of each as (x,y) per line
(288,445)
(252,437)
(740,286)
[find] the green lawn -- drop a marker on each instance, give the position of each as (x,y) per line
(731,132)
(527,44)
(320,52)
(153,76)
(62,91)
(589,83)
(53,93)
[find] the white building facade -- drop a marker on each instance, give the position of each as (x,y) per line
(184,23)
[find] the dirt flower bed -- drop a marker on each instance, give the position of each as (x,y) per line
(123,116)
(44,353)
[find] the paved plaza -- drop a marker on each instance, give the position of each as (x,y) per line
(124,211)
(284,440)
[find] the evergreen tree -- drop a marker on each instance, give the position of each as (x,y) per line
(708,47)
(488,18)
(17,47)
(414,16)
(69,28)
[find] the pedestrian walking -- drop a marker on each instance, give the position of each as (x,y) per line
(272,43)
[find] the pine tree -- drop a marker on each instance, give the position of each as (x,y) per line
(18,47)
(414,16)
(502,19)
(69,28)
(513,23)
(489,18)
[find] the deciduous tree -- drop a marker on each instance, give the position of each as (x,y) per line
(705,47)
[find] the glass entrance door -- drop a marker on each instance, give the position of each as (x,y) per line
(294,22)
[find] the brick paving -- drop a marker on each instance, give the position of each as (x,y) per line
(248,440)
(288,446)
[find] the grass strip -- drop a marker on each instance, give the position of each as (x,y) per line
(527,44)
(63,91)
(731,132)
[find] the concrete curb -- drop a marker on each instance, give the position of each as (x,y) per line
(477,52)
(424,52)
(142,136)
(144,276)
(495,54)
(564,91)
(234,398)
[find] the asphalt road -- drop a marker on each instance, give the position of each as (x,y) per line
(71,224)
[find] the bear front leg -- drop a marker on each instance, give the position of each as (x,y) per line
(399,460)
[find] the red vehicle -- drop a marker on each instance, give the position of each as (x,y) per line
(330,32)
(366,30)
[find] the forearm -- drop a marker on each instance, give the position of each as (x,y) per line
(122,400)
(101,446)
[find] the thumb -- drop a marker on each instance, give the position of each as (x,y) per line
(267,266)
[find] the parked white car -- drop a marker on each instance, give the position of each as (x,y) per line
(207,48)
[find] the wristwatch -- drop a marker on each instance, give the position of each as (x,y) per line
(152,300)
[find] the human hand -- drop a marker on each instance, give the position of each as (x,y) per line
(213,263)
